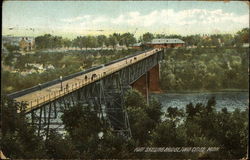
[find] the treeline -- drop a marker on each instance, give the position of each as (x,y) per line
(205,40)
(197,125)
(205,69)
(48,41)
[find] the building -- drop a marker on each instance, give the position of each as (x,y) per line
(160,43)
(27,43)
(136,45)
(166,43)
(24,43)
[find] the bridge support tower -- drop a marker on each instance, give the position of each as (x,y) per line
(148,82)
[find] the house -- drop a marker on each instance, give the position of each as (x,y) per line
(27,43)
(166,43)
(24,43)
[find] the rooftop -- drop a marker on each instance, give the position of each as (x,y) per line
(166,41)
(137,44)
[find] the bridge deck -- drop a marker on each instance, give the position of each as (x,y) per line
(37,98)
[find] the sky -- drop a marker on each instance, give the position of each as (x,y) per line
(74,18)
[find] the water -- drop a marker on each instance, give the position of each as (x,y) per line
(230,100)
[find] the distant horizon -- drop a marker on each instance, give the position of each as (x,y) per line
(137,37)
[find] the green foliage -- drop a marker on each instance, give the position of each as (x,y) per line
(19,139)
(60,148)
(83,126)
(174,113)
(82,116)
(146,37)
(143,118)
(115,146)
(66,43)
(241,37)
(49,41)
(198,125)
(113,40)
(154,110)
(127,39)
(202,126)
(204,69)
(166,134)
(141,125)
(134,99)
(101,40)
(11,48)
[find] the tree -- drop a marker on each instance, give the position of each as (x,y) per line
(57,42)
(143,118)
(102,40)
(134,99)
(141,125)
(83,42)
(92,41)
(147,37)
(154,110)
(173,113)
(117,37)
(215,39)
(113,41)
(83,126)
(11,48)
(59,147)
(48,41)
(113,145)
(242,37)
(167,134)
(67,43)
(19,138)
(44,42)
(127,39)
(190,110)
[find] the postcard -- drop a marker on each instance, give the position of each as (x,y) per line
(125,80)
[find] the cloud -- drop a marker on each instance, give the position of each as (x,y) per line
(76,19)
(195,19)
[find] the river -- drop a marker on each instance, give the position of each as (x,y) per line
(230,100)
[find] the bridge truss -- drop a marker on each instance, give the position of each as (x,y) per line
(105,97)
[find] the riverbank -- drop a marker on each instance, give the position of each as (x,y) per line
(201,91)
(230,100)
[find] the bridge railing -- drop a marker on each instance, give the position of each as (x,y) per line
(50,83)
(59,93)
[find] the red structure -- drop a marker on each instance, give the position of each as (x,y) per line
(161,43)
(154,79)
(149,82)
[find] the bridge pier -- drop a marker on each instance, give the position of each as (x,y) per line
(148,82)
(154,79)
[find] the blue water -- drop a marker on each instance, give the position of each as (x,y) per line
(230,100)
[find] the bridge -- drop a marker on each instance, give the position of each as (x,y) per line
(101,87)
